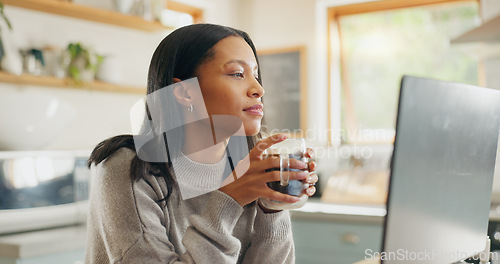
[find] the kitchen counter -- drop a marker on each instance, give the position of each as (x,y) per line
(315,209)
(40,243)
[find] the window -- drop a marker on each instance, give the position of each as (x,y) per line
(379,42)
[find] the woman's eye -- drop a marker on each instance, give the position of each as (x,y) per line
(237,74)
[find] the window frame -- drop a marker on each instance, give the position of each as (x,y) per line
(336,61)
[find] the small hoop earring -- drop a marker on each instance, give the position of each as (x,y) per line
(190,108)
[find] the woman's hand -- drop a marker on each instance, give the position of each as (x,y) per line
(253,183)
(312,178)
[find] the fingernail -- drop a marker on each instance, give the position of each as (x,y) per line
(310,191)
(308,179)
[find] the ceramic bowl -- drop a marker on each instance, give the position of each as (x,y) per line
(31,121)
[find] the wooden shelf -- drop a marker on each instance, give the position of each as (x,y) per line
(65,8)
(49,81)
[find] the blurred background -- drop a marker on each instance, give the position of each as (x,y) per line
(72,70)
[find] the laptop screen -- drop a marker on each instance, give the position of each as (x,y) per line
(441,172)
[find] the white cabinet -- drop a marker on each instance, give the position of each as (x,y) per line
(325,242)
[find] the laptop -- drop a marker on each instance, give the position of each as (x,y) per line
(441,172)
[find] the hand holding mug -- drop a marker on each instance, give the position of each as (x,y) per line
(253,184)
(287,152)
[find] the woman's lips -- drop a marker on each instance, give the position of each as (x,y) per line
(255,110)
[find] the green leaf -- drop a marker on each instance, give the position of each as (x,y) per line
(75,49)
(74,72)
(9,25)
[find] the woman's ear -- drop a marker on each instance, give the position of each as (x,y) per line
(181,93)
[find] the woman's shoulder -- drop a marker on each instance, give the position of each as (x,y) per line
(120,159)
(117,148)
(115,160)
(111,160)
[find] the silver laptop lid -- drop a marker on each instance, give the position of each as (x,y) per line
(441,172)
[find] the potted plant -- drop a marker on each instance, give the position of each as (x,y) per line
(83,62)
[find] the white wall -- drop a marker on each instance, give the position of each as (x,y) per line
(99,114)
(489,10)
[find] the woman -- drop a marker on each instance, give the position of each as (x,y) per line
(138,213)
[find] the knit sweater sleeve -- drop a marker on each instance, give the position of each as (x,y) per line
(127,224)
(272,241)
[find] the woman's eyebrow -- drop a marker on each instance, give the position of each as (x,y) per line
(241,62)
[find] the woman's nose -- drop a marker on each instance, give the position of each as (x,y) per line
(255,90)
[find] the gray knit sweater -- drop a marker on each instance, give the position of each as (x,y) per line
(127,224)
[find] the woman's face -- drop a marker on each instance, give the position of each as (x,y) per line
(229,83)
